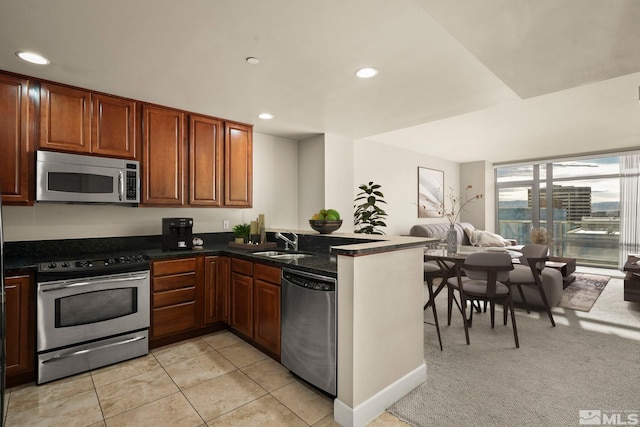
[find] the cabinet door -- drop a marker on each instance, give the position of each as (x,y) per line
(216,289)
(266,325)
(205,161)
(65,118)
(16,115)
(176,289)
(114,127)
(162,156)
(242,304)
(238,165)
(19,335)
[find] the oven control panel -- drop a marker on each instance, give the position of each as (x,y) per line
(102,264)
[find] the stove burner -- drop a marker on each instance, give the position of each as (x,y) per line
(100,264)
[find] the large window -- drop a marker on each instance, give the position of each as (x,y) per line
(577,201)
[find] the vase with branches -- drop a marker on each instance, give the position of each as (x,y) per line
(452,213)
(368,214)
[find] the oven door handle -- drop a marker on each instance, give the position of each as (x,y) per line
(95,282)
(89,350)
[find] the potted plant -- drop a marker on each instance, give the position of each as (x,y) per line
(241,232)
(369,215)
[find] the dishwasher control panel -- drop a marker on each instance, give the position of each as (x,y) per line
(310,281)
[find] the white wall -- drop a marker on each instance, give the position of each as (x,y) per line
(311,188)
(338,178)
(275,189)
(397,171)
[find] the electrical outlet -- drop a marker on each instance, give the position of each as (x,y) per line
(225,224)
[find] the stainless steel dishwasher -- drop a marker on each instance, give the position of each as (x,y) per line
(308,345)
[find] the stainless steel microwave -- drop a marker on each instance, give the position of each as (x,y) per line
(62,177)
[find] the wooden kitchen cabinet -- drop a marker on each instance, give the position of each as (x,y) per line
(78,121)
(241,314)
(20,329)
(16,140)
(216,289)
(65,118)
(238,165)
(266,303)
(177,296)
(255,304)
(163,156)
(205,160)
(114,127)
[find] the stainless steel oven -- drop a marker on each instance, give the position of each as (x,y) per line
(91,313)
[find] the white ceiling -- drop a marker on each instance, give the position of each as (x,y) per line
(463,80)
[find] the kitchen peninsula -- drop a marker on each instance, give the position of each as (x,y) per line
(379,303)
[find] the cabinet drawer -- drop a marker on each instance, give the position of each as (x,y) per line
(242,267)
(174,266)
(266,273)
(175,281)
(169,320)
(177,296)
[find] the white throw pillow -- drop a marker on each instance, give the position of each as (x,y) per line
(490,239)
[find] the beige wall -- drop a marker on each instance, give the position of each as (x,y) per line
(397,171)
(480,213)
(275,189)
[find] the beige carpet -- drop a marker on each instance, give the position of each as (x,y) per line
(590,361)
(583,292)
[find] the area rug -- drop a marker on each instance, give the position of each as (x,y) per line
(583,292)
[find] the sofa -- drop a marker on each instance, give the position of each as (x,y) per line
(551,278)
(464,229)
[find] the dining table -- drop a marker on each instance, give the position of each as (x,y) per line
(451,262)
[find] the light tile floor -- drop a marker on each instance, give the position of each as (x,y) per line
(215,380)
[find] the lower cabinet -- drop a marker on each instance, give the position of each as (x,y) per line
(20,329)
(177,296)
(216,289)
(193,295)
(266,307)
(255,304)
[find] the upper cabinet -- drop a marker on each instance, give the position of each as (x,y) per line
(163,156)
(238,165)
(16,145)
(79,121)
(205,160)
(114,127)
(213,169)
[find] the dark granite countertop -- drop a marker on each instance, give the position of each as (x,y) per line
(26,255)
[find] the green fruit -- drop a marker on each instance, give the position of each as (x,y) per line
(331,217)
(334,213)
(323,213)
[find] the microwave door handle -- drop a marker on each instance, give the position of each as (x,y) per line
(120,186)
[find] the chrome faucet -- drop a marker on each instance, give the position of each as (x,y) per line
(287,241)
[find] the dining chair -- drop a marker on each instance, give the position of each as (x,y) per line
(432,270)
(486,279)
(529,273)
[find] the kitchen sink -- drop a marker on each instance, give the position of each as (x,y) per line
(282,254)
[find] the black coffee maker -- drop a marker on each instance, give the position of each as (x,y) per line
(177,233)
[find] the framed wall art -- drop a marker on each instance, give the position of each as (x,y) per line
(430,193)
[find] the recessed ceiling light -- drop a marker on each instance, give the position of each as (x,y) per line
(366,73)
(265,116)
(253,61)
(33,58)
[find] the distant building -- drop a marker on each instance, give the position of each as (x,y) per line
(576,201)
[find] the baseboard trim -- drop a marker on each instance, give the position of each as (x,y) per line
(376,404)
